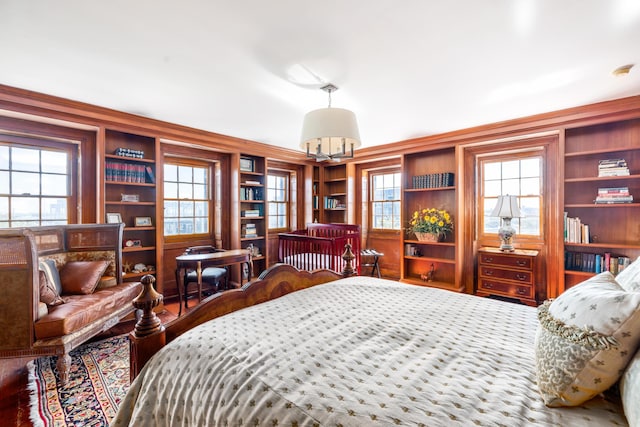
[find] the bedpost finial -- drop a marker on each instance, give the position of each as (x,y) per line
(348,258)
(146,301)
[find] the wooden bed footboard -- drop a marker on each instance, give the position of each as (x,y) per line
(149,335)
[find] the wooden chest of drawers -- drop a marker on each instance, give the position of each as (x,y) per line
(507,274)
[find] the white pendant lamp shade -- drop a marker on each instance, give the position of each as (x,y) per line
(330,133)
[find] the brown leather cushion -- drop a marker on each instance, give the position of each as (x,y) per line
(81,277)
(48,292)
(80,310)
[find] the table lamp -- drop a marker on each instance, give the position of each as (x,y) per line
(506,208)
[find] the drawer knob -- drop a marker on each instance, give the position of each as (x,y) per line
(488,272)
(522,291)
(521,277)
(521,262)
(488,285)
(488,259)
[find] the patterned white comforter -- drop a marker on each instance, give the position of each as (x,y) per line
(355,352)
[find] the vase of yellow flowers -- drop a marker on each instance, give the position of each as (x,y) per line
(430,224)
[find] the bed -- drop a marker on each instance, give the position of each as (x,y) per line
(320,246)
(315,348)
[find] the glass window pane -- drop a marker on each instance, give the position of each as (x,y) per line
(25,208)
(54,185)
(199,191)
(185,174)
(511,169)
(170,190)
(170,226)
(4,182)
(201,225)
(202,209)
(4,209)
(170,172)
(54,162)
(54,208)
(25,159)
(186,208)
(185,191)
(531,186)
(4,157)
(511,186)
(200,175)
(170,208)
(186,225)
(492,171)
(530,167)
(492,188)
(25,183)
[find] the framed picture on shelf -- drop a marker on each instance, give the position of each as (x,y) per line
(114,218)
(143,221)
(130,197)
(246,165)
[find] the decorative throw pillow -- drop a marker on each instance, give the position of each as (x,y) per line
(106,282)
(51,271)
(81,277)
(630,391)
(629,278)
(48,292)
(585,339)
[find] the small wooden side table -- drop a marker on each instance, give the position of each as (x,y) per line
(507,274)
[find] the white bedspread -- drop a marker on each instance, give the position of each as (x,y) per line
(355,352)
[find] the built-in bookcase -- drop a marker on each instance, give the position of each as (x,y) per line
(129,171)
(613,228)
(253,227)
(429,182)
(334,194)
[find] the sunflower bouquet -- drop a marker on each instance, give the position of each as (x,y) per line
(430,220)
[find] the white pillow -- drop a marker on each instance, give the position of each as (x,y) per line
(585,339)
(629,278)
(630,391)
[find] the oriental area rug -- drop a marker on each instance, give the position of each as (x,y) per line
(98,381)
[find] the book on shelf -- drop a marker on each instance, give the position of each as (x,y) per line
(251,213)
(124,172)
(612,167)
(252,182)
(575,231)
(249,230)
(150,174)
(595,262)
(613,195)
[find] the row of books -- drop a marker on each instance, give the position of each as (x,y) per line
(595,263)
(128,172)
(613,167)
(251,213)
(249,230)
(575,231)
(251,193)
(614,195)
(433,180)
(129,152)
(333,203)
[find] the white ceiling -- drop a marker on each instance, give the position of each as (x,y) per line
(253,68)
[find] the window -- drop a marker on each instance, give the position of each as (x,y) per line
(385,201)
(278,197)
(35,185)
(187,199)
(519,176)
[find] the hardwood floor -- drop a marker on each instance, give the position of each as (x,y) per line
(14,376)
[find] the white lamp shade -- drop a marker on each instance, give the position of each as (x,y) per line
(507,207)
(330,125)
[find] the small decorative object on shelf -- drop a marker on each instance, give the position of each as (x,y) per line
(130,198)
(114,218)
(129,152)
(143,221)
(430,224)
(430,274)
(246,165)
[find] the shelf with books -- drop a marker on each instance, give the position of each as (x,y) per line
(334,194)
(130,194)
(429,182)
(253,229)
(601,178)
